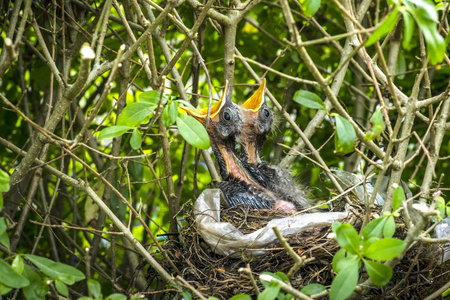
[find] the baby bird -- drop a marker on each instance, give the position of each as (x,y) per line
(258,122)
(224,125)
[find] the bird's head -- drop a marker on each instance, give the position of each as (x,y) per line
(224,126)
(258,122)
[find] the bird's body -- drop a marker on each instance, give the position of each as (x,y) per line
(258,122)
(223,128)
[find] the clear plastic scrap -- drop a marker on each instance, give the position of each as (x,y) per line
(443,231)
(226,239)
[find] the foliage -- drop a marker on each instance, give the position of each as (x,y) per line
(369,248)
(93,135)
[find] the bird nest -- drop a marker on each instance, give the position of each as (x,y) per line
(417,275)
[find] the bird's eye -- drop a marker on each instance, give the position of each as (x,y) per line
(227,116)
(266,112)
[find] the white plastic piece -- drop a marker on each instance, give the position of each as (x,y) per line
(226,239)
(443,231)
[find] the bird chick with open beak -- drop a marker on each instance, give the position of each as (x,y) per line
(258,122)
(224,125)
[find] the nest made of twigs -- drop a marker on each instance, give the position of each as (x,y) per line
(417,275)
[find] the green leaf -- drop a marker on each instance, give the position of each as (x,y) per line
(136,141)
(385,249)
(389,227)
(313,288)
(340,255)
(271,291)
(446,293)
(135,113)
(4,183)
(348,238)
(3,226)
(4,240)
(170,114)
(56,270)
(37,288)
(150,96)
(95,288)
(310,7)
(335,226)
(344,140)
(186,295)
(374,228)
(283,277)
(426,17)
(309,99)
(408,30)
(377,125)
(61,288)
(193,131)
(18,264)
(398,197)
(440,206)
(214,298)
(10,278)
(4,289)
(238,297)
(116,296)
(112,132)
(344,283)
(379,273)
(383,29)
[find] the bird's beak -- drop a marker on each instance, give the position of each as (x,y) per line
(257,99)
(201,114)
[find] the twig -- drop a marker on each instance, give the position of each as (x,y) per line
(298,260)
(287,288)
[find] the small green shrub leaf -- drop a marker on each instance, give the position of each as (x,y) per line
(270,292)
(170,113)
(95,289)
(136,141)
(397,198)
(150,96)
(37,289)
(10,278)
(112,132)
(310,7)
(116,296)
(186,295)
(309,99)
(240,297)
(344,140)
(348,238)
(193,131)
(135,113)
(374,228)
(385,249)
(379,273)
(408,29)
(313,288)
(55,270)
(4,182)
(383,29)
(344,283)
(377,126)
(18,264)
(61,288)
(389,227)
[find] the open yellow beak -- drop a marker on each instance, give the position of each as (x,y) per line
(202,113)
(257,99)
